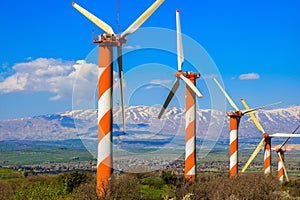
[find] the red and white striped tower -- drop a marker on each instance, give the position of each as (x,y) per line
(280,153)
(280,164)
(190,129)
(191,91)
(106,43)
(267,154)
(235,117)
(105,77)
(233,150)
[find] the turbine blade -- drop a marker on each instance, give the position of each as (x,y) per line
(169,98)
(120,64)
(101,24)
(137,23)
(287,139)
(191,85)
(253,155)
(283,165)
(254,109)
(180,56)
(226,95)
(284,135)
(254,119)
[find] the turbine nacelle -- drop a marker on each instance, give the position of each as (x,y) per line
(112,40)
(189,75)
(237,113)
(278,150)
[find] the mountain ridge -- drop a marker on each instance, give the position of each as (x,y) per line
(143,123)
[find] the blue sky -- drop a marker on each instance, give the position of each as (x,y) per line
(41,41)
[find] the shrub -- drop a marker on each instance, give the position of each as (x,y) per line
(247,186)
(154,181)
(73,179)
(293,187)
(120,187)
(86,191)
(124,187)
(169,177)
(39,187)
(183,188)
(79,185)
(6,190)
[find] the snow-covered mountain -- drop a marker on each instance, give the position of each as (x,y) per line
(142,123)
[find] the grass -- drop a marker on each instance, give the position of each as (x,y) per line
(42,155)
(8,174)
(146,189)
(6,170)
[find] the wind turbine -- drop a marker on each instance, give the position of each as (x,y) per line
(235,117)
(190,79)
(266,142)
(280,152)
(106,42)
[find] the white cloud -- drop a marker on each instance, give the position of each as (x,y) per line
(130,47)
(156,81)
(157,84)
(208,76)
(151,86)
(249,76)
(85,78)
(48,74)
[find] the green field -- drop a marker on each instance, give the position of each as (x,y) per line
(43,155)
(20,153)
(7,174)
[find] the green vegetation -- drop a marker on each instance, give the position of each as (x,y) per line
(6,174)
(42,155)
(43,186)
(293,187)
(212,182)
(167,185)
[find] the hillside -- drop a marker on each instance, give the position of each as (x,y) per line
(142,123)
